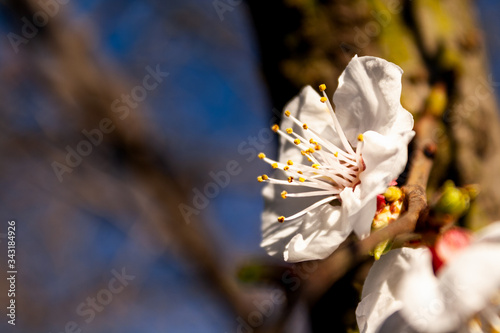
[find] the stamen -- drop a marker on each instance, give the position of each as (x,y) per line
(305,126)
(281,219)
(275,128)
(311,207)
(283,194)
(343,138)
(287,113)
(261,156)
(322,87)
(290,162)
(289,130)
(323,99)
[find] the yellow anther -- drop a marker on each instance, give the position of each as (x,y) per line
(304,126)
(286,168)
(317,147)
(360,137)
(287,113)
(309,159)
(289,130)
(290,162)
(310,150)
(296,141)
(303,152)
(315,166)
(323,99)
(265,177)
(283,194)
(311,141)
(290,179)
(259,179)
(262,156)
(301,179)
(336,154)
(299,172)
(274,165)
(322,87)
(281,219)
(275,128)
(393,193)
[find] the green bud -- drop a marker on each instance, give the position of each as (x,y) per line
(453,200)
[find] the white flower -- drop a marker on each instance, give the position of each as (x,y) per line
(403,294)
(334,163)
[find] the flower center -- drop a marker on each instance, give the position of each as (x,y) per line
(331,169)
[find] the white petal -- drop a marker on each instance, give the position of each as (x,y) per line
(360,212)
(368,98)
(313,236)
(471,279)
(426,299)
(490,233)
(379,297)
(385,158)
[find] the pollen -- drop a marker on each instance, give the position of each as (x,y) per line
(310,150)
(322,87)
(360,137)
(290,179)
(283,194)
(287,113)
(281,219)
(315,166)
(336,154)
(311,141)
(274,165)
(265,177)
(317,147)
(290,162)
(289,130)
(286,168)
(275,128)
(260,179)
(304,126)
(323,99)
(301,179)
(300,172)
(296,141)
(262,156)
(303,152)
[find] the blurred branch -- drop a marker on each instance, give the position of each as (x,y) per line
(82,83)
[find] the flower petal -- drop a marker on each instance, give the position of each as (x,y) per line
(385,158)
(359,212)
(426,299)
(314,235)
(379,296)
(470,280)
(368,98)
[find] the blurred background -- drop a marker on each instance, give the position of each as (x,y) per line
(129,139)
